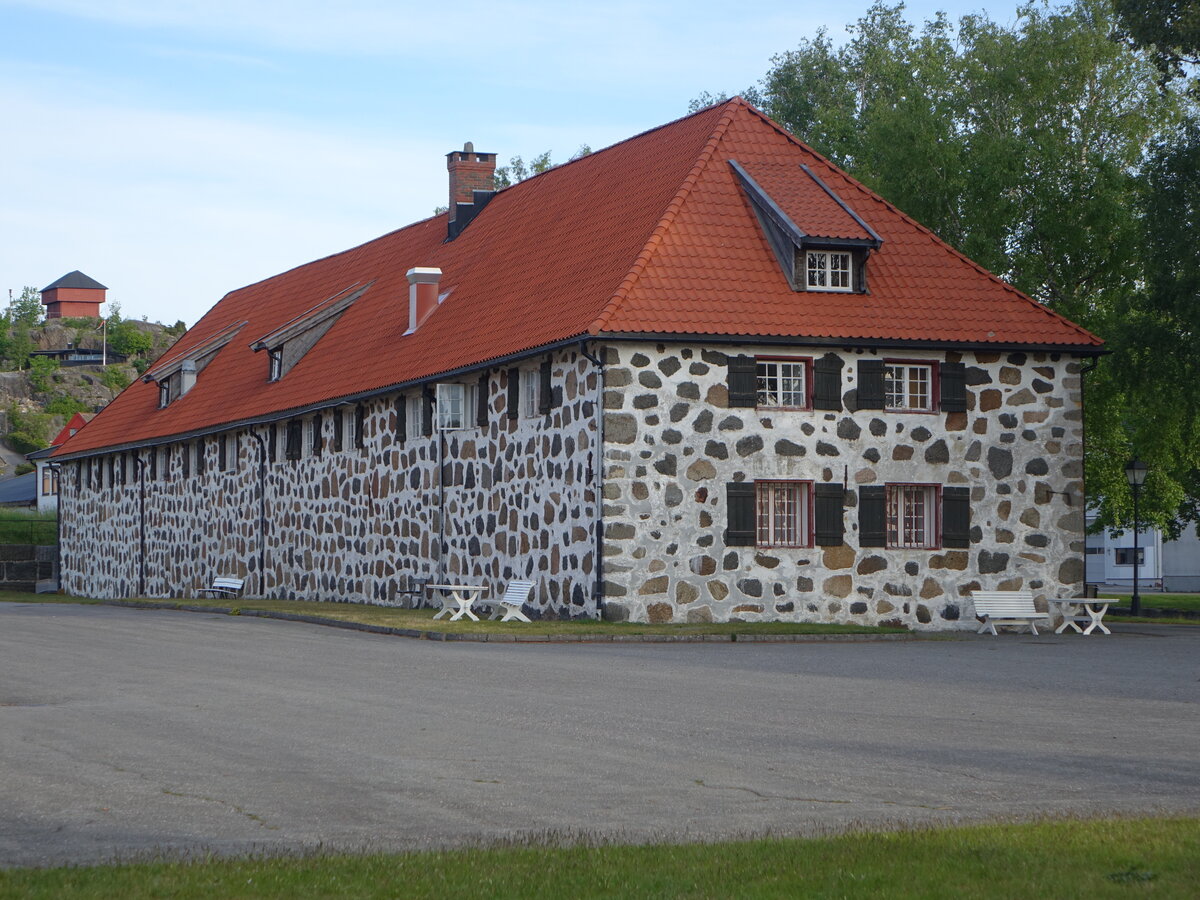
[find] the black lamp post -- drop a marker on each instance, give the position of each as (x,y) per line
(1135,474)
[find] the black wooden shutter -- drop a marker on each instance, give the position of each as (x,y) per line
(201,462)
(427,410)
(953,387)
(272,441)
(743,381)
(482,399)
(956,517)
(318,440)
(294,431)
(870,384)
(546,392)
(339,429)
(360,426)
(828,508)
(222,457)
(514,393)
(740,530)
(187,463)
(872,516)
(401,421)
(153,466)
(827,383)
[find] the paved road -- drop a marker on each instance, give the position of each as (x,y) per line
(125,731)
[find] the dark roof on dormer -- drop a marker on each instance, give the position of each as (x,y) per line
(76,279)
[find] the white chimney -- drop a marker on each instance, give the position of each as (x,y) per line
(422,295)
(187,376)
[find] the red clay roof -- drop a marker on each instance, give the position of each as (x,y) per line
(651,235)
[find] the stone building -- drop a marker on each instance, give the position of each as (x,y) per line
(701,374)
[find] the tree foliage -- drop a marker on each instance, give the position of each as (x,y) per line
(1169,30)
(27,308)
(28,431)
(1046,151)
(518,170)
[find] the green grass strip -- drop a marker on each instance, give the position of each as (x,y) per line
(422,619)
(1063,859)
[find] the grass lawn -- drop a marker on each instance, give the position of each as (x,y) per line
(1159,601)
(28,526)
(1085,859)
(422,619)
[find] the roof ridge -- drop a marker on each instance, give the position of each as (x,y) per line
(858,185)
(656,236)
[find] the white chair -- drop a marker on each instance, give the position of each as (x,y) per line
(508,607)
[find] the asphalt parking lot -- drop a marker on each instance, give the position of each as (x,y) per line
(124,732)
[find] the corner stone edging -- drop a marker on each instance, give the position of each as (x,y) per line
(509,638)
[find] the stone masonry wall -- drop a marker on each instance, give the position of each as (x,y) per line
(514,499)
(672,443)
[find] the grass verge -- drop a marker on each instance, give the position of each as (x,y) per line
(21,526)
(1159,601)
(1092,859)
(422,619)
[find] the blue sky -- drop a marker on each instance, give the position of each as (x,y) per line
(177,149)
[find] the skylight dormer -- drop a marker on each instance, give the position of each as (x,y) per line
(176,374)
(828,250)
(288,343)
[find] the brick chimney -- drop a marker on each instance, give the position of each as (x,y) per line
(472,182)
(422,295)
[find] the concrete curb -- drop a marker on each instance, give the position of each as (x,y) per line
(511,638)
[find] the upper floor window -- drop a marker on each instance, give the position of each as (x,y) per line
(529,393)
(164,394)
(908,386)
(275,364)
(453,402)
(412,420)
(49,481)
(829,270)
(912,516)
(783,383)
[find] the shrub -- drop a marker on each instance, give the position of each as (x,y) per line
(40,370)
(29,431)
(114,377)
(24,468)
(65,405)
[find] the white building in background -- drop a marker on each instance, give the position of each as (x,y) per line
(1163,564)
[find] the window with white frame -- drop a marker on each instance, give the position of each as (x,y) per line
(49,481)
(275,364)
(782,511)
(413,420)
(829,270)
(529,393)
(912,520)
(453,403)
(783,383)
(164,393)
(908,386)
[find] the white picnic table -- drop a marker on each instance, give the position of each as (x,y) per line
(462,595)
(1079,609)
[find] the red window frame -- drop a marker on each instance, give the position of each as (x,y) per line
(935,385)
(935,513)
(804,540)
(808,379)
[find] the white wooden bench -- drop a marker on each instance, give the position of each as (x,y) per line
(1005,608)
(508,606)
(225,587)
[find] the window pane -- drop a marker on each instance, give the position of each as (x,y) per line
(816,269)
(839,270)
(782,508)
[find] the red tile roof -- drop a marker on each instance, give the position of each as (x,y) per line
(651,235)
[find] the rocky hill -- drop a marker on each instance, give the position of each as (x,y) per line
(37,395)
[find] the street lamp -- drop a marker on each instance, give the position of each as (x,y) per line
(1135,474)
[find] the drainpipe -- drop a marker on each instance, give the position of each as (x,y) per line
(140,465)
(58,480)
(1083,454)
(441,442)
(598,475)
(262,512)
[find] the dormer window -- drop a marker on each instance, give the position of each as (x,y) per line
(275,365)
(164,394)
(287,344)
(829,270)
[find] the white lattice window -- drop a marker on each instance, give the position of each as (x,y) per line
(453,401)
(782,511)
(908,386)
(829,270)
(413,421)
(912,516)
(529,393)
(783,383)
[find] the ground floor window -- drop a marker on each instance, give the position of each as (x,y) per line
(1124,556)
(49,481)
(912,516)
(782,509)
